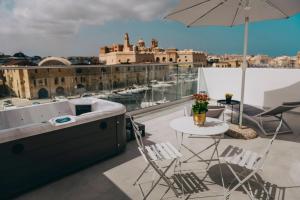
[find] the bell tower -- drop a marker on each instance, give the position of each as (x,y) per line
(126,42)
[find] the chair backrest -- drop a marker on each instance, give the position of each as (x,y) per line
(215,111)
(268,148)
(278,110)
(137,133)
(187,110)
(293,103)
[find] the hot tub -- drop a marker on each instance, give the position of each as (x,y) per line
(43,142)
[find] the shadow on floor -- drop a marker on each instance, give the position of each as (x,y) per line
(275,192)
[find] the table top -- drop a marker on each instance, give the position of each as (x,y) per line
(212,126)
(232,102)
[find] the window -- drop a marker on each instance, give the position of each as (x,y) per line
(78,70)
(128,68)
(59,70)
(45,81)
(34,83)
(117,69)
(171,60)
(62,79)
(36,71)
(56,81)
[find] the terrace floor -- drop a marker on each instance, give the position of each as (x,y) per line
(113,178)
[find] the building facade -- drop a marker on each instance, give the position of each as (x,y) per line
(139,53)
(259,60)
(66,80)
(298,59)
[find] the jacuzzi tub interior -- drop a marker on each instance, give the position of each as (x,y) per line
(36,146)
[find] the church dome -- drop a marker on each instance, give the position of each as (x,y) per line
(141,43)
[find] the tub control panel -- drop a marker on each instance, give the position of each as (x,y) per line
(62,120)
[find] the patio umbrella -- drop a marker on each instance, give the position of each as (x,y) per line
(231,13)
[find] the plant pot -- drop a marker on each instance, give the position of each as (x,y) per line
(199,119)
(228,100)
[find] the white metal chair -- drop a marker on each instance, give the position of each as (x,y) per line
(250,162)
(154,154)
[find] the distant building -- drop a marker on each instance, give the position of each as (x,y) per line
(128,53)
(36,83)
(19,59)
(298,59)
(283,62)
(259,60)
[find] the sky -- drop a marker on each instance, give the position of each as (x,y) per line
(80,27)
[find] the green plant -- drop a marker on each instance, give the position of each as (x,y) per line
(228,96)
(201,103)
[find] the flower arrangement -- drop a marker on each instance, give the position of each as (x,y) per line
(200,108)
(201,103)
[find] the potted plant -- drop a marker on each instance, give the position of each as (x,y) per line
(228,97)
(200,108)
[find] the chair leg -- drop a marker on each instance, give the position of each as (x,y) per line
(140,176)
(161,176)
(241,182)
(219,163)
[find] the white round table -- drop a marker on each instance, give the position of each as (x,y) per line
(212,126)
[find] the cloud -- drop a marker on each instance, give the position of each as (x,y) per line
(65,17)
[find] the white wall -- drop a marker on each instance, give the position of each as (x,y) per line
(264,87)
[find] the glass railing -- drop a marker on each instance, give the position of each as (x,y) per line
(135,86)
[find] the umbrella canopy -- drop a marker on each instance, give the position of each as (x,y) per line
(231,13)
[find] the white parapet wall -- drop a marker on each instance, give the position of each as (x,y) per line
(264,87)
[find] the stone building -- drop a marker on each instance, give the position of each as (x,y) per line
(283,62)
(259,60)
(127,53)
(298,59)
(64,79)
(221,64)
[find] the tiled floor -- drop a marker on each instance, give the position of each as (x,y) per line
(112,179)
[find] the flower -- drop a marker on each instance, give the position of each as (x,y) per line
(201,103)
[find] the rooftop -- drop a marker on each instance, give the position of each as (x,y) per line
(113,178)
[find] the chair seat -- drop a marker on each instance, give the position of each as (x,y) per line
(161,151)
(238,156)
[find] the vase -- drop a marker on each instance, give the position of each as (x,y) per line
(228,100)
(199,119)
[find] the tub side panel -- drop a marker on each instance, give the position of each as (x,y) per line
(33,161)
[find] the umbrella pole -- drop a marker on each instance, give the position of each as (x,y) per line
(244,67)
